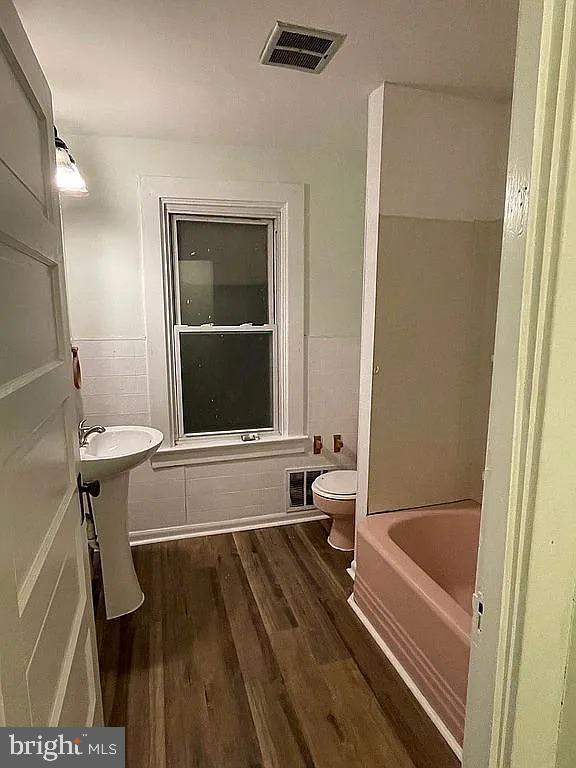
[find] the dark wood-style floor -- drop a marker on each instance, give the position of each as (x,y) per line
(246,654)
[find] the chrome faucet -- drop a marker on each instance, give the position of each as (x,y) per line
(84,432)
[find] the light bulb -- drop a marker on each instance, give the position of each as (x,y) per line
(68,178)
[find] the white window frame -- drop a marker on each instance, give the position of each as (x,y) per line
(271,327)
(163,197)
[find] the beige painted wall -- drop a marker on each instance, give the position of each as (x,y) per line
(435,318)
(441,204)
(566,755)
(102,235)
(444,156)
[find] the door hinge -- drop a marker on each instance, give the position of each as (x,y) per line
(478,610)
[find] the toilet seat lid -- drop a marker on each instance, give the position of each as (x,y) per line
(340,484)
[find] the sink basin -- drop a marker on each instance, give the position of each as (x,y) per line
(109,457)
(117,450)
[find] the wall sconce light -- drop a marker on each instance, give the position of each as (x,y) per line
(68,178)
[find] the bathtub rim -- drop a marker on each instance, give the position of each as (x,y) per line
(410,571)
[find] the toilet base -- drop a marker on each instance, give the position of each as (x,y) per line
(341,534)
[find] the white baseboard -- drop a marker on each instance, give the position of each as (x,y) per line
(229,526)
(352,570)
(410,684)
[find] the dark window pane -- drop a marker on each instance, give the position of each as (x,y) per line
(226,381)
(223,272)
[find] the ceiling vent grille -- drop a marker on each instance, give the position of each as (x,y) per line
(294,47)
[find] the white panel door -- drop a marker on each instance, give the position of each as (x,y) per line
(48,664)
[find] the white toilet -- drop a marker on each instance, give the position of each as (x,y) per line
(334,494)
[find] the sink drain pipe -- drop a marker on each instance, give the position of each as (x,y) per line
(86,492)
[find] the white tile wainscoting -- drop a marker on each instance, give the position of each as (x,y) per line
(114,381)
(179,501)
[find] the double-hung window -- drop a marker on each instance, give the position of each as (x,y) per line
(225,327)
(224,295)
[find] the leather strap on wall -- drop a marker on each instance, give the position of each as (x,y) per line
(76,368)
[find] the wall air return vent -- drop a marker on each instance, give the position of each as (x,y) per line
(299,487)
(294,47)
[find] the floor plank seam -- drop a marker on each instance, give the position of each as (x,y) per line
(246,654)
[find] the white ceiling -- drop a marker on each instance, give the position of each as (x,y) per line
(189,69)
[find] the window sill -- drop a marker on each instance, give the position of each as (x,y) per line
(206,452)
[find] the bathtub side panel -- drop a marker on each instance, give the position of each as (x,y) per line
(428,641)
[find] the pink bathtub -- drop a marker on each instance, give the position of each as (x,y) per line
(414,582)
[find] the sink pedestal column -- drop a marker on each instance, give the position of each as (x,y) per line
(122,592)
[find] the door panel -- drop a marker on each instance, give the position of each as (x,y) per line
(48,666)
(79,701)
(32,285)
(37,480)
(46,660)
(24,222)
(24,157)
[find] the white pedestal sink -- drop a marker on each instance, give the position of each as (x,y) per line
(109,457)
